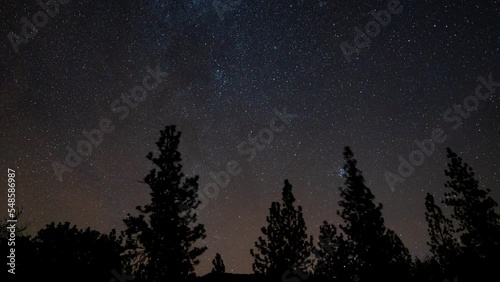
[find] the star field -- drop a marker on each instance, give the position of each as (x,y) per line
(225,78)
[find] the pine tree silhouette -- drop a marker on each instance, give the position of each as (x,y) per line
(474,210)
(160,240)
(285,246)
(332,255)
(377,253)
(443,245)
(218,265)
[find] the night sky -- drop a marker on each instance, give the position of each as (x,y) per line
(226,67)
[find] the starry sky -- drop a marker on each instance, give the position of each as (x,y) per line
(226,67)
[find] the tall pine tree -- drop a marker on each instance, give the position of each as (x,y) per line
(285,245)
(160,241)
(474,209)
(377,253)
(444,247)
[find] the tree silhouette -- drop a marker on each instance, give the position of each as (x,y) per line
(160,240)
(218,264)
(285,246)
(444,247)
(77,254)
(427,270)
(376,252)
(332,255)
(474,210)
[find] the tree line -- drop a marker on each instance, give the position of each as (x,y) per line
(161,241)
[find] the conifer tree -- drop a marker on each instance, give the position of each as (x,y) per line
(218,265)
(443,245)
(160,241)
(332,254)
(285,245)
(474,210)
(377,252)
(472,207)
